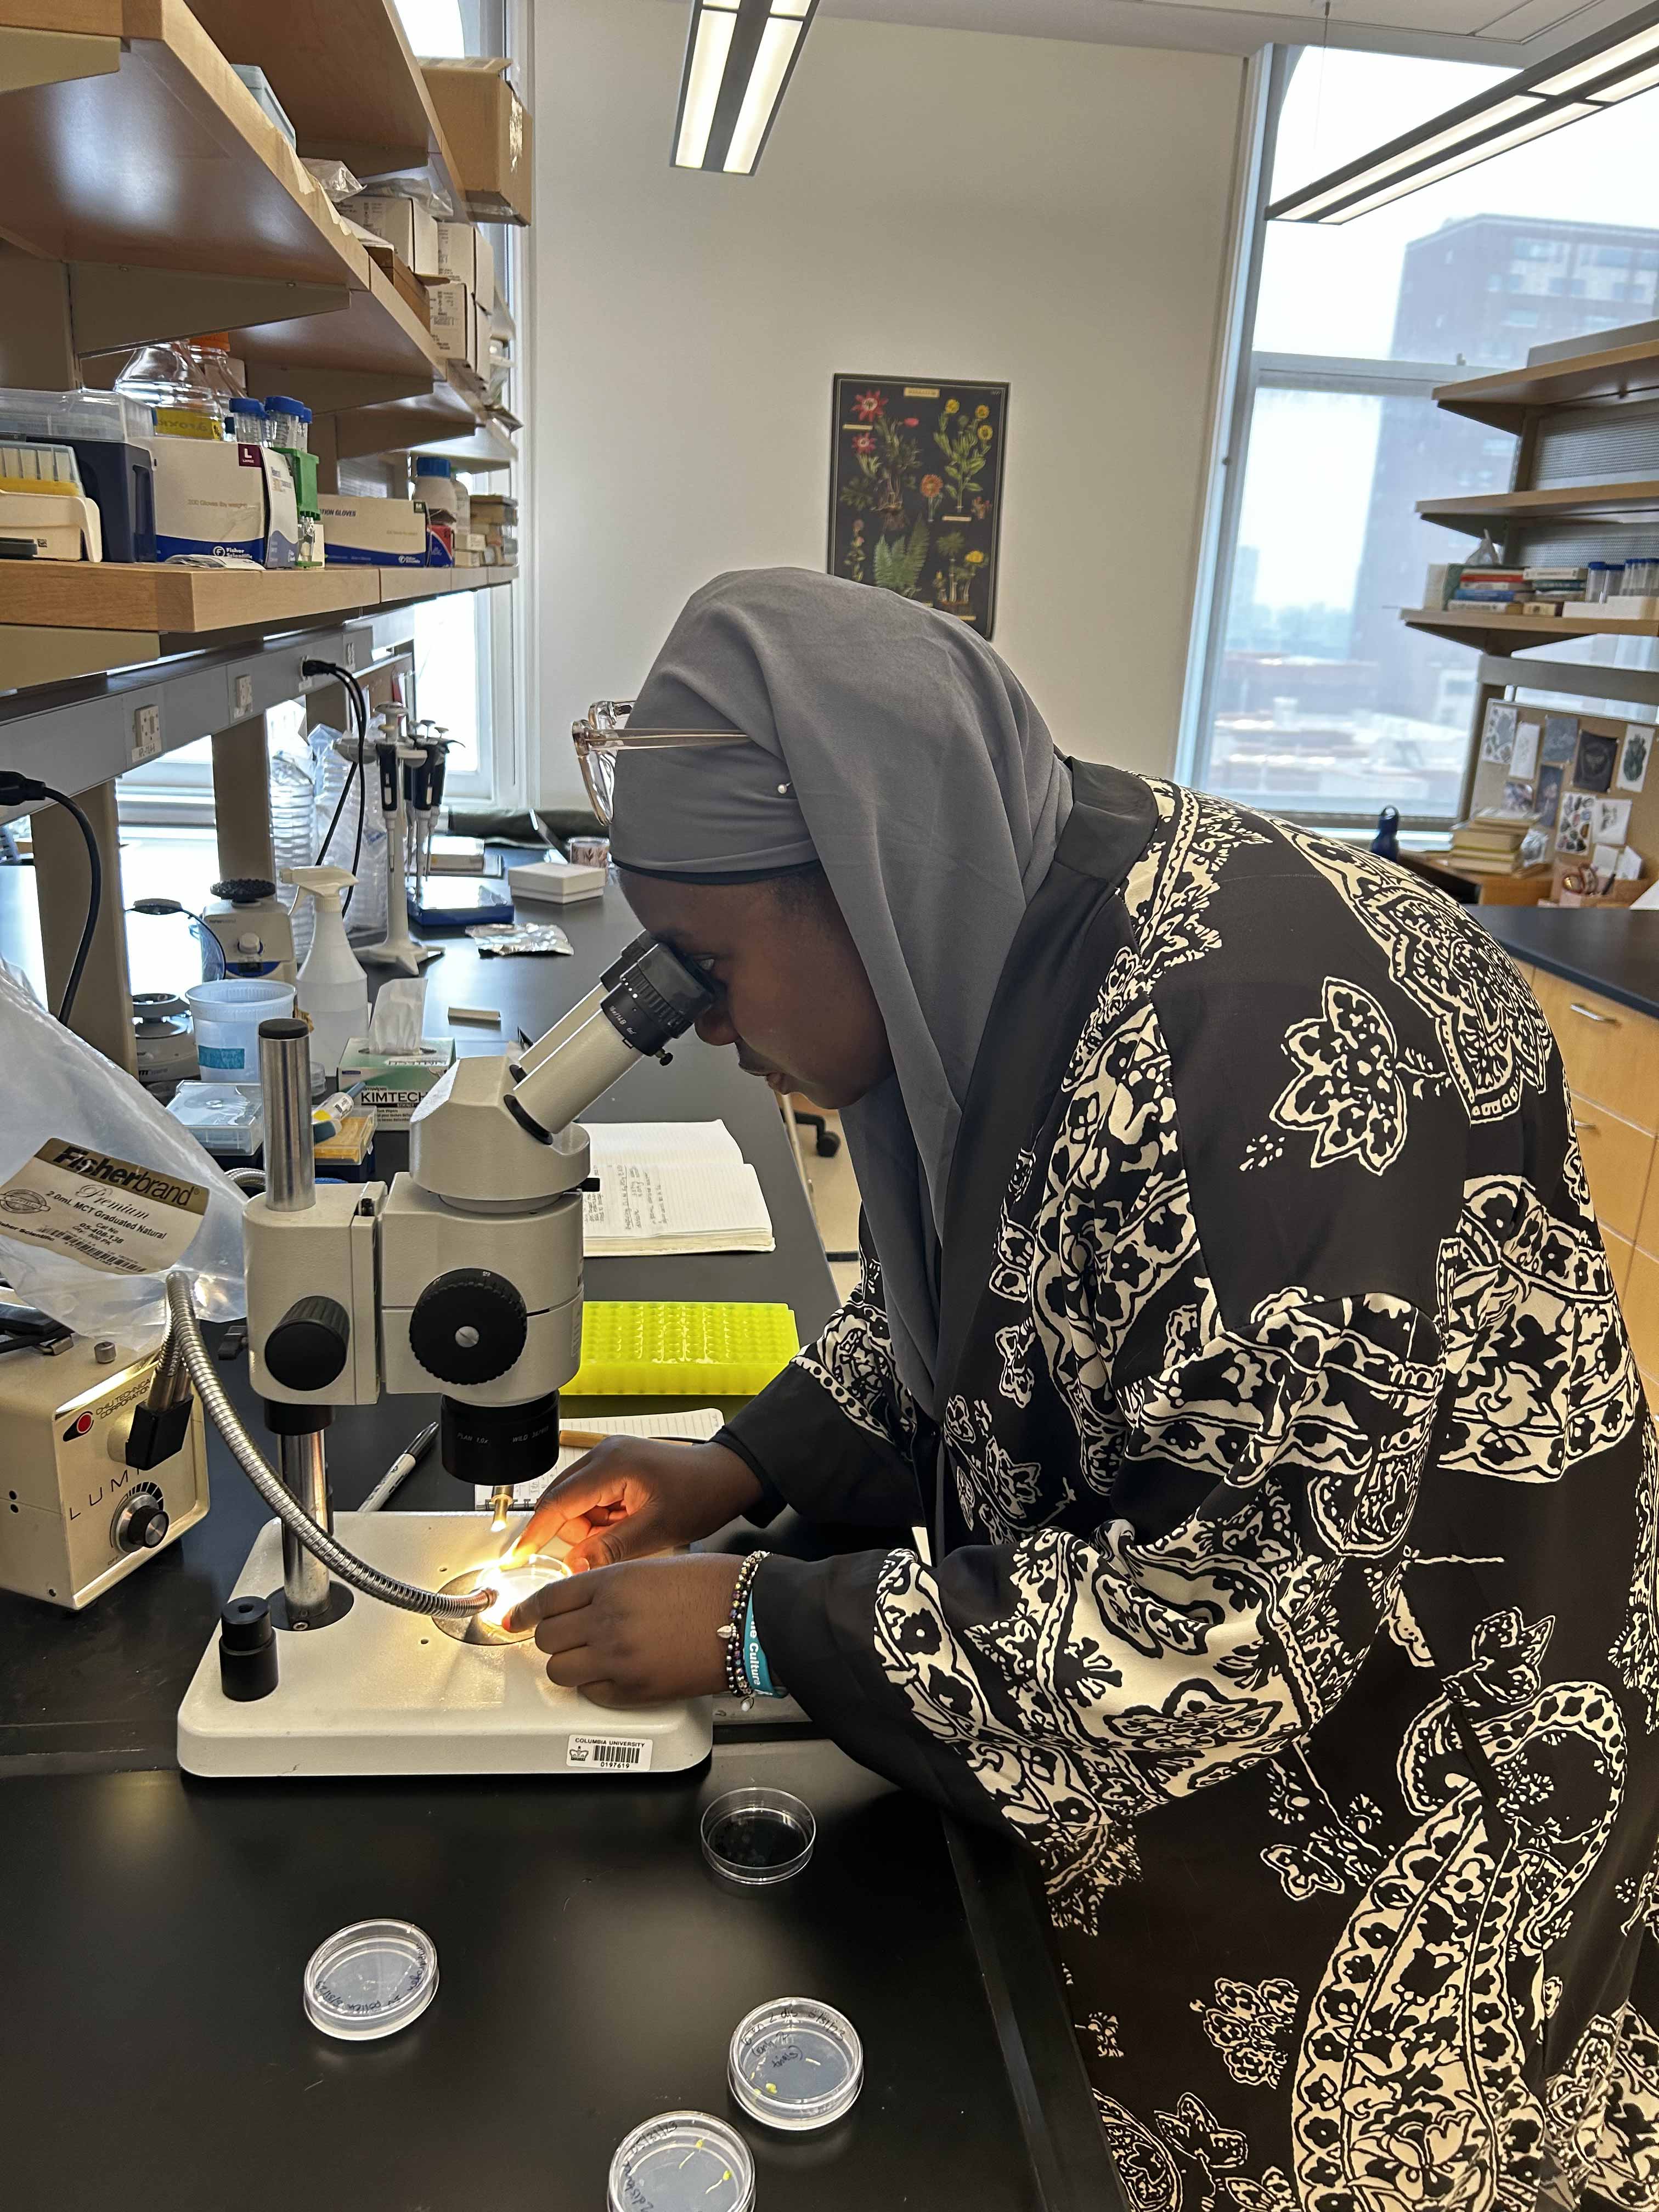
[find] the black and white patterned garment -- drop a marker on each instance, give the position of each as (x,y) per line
(1298,1514)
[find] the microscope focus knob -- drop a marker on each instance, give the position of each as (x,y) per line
(468,1326)
(306,1350)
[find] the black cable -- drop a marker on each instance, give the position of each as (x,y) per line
(15,791)
(199,929)
(359,700)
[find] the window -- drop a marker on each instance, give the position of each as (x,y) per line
(1313,698)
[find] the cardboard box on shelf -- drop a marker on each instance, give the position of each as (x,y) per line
(454,322)
(215,495)
(403,281)
(407,227)
(378,533)
(463,251)
(487,128)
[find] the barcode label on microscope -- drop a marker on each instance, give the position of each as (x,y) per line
(608,1754)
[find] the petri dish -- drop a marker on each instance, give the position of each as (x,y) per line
(682,2162)
(795,2063)
(757,1837)
(371,1979)
(511,1585)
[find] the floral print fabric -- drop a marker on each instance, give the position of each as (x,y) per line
(1298,1597)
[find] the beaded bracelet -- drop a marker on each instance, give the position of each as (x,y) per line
(737,1683)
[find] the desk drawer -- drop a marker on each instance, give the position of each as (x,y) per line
(1617,1155)
(1611,1053)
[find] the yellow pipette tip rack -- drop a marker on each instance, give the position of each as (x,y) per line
(677,1349)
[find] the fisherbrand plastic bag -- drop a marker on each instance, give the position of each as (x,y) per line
(100,1191)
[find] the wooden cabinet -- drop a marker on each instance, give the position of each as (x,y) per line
(1611,1053)
(1640,1299)
(1617,1156)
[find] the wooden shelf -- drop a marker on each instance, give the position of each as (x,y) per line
(114,595)
(400,584)
(1505,401)
(1479,511)
(1490,632)
(396,425)
(345,74)
(168,167)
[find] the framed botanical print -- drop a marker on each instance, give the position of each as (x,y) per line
(916,489)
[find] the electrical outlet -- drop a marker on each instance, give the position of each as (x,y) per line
(244,706)
(146,734)
(350,655)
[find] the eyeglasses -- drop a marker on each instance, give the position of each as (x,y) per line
(601,735)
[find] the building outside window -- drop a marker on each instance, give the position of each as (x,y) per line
(1314,699)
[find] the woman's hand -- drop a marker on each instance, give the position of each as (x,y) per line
(631,1496)
(637,1635)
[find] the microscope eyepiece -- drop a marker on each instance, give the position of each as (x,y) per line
(653,995)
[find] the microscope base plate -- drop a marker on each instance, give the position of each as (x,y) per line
(383,1691)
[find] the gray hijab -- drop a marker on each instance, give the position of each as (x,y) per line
(892,745)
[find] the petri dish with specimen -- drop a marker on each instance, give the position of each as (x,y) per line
(795,2063)
(682,2162)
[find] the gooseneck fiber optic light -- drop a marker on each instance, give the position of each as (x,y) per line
(738,57)
(1597,74)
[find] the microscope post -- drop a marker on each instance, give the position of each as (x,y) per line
(291,1187)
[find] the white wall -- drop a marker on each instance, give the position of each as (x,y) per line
(931,203)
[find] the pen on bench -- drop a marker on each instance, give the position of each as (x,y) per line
(585,1440)
(404,1465)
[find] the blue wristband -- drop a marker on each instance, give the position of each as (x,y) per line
(754,1659)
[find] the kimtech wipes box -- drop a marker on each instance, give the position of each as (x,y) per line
(215,495)
(393,1083)
(377,533)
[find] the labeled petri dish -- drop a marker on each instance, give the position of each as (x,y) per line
(371,1979)
(682,2162)
(756,1837)
(795,2063)
(512,1585)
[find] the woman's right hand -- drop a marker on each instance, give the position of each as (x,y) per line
(632,1496)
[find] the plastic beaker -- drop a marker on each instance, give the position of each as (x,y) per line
(227,1014)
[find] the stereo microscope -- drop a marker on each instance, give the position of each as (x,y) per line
(464,1277)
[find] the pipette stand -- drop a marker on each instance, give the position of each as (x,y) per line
(397,949)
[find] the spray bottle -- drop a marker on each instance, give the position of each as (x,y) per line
(333,990)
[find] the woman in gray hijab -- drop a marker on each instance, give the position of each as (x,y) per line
(1234,1318)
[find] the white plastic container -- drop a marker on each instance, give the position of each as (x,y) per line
(227,1014)
(333,990)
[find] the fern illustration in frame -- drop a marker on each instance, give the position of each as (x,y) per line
(916,489)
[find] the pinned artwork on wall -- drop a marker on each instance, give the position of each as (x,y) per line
(1548,795)
(1597,757)
(1498,733)
(1573,835)
(916,489)
(1634,755)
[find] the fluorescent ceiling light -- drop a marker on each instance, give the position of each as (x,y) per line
(1552,119)
(777,51)
(711,42)
(1598,71)
(738,57)
(1456,135)
(1610,58)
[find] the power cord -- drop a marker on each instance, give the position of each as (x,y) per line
(17,790)
(358,699)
